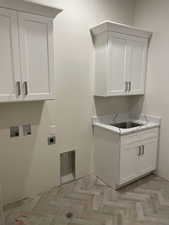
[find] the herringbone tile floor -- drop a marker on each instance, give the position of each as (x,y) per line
(89,202)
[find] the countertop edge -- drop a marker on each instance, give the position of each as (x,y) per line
(122,132)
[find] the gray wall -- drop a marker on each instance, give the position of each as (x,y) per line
(154,15)
(27,164)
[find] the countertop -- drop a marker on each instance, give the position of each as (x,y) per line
(147,121)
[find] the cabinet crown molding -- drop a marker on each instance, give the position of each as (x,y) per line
(110,26)
(30,6)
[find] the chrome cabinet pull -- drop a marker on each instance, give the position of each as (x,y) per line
(126,86)
(142,149)
(139,153)
(130,86)
(18,86)
(25,85)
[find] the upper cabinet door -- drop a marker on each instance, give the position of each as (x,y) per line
(10,89)
(117,64)
(36,46)
(136,70)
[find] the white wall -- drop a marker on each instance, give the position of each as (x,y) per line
(154,15)
(27,164)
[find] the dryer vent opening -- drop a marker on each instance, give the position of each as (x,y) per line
(67,166)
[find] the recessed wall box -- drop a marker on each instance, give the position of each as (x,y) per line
(14,131)
(51,140)
(26,130)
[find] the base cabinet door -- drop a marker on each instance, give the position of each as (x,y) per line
(128,163)
(36,56)
(9,57)
(137,160)
(148,157)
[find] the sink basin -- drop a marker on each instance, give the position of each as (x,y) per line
(126,125)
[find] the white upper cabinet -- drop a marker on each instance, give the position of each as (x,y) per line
(9,56)
(26,56)
(120,59)
(36,56)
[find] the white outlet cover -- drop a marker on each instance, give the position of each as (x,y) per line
(52,129)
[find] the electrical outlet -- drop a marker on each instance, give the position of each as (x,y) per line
(51,140)
(14,131)
(27,130)
(52,129)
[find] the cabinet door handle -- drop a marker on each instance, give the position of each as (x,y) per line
(142,149)
(139,153)
(126,86)
(25,85)
(130,86)
(18,86)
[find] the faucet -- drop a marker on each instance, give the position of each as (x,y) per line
(115,115)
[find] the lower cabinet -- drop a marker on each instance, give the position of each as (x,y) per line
(137,159)
(120,159)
